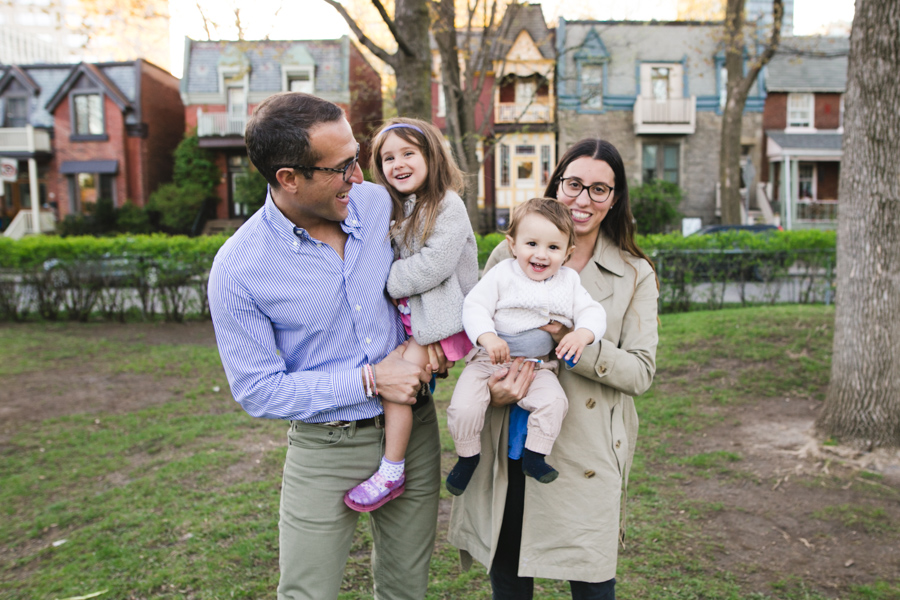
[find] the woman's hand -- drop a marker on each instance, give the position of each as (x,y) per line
(556,330)
(437,361)
(509,385)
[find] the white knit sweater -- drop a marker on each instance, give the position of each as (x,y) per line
(507,301)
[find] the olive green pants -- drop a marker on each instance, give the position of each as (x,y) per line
(316,527)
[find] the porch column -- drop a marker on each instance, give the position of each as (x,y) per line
(788,203)
(33,185)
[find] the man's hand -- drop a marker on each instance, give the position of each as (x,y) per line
(511,384)
(398,380)
(573,344)
(496,348)
(437,362)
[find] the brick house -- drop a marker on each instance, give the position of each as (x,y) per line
(225,80)
(87,131)
(655,90)
(803,130)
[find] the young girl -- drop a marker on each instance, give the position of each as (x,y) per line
(502,315)
(436,266)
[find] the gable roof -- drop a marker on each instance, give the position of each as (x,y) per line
(529,18)
(16,73)
(809,64)
(97,76)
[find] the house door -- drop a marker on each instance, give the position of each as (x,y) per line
(237,168)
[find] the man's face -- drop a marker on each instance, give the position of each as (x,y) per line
(324,197)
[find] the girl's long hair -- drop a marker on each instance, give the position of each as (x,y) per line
(618,225)
(443,175)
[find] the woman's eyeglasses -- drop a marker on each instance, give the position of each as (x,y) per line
(346,171)
(597,192)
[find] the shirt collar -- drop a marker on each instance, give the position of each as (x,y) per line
(288,231)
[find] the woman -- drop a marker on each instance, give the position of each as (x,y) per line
(569,529)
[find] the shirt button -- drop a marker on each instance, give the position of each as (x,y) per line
(368,341)
(318,245)
(358,307)
(295,242)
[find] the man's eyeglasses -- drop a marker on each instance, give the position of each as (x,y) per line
(346,171)
(597,192)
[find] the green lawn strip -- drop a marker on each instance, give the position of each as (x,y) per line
(148,510)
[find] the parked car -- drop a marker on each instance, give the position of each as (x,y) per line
(755,228)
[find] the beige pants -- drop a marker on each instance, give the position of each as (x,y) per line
(546,401)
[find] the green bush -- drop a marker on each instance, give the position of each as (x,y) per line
(177,206)
(486,245)
(655,206)
(195,166)
(132,219)
(250,190)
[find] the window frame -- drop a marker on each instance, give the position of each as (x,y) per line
(75,136)
(810,99)
(5,122)
(660,168)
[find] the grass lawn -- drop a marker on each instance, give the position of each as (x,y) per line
(179,498)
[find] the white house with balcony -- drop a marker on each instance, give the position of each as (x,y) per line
(655,90)
(224,81)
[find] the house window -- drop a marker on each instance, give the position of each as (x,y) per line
(300,82)
(659,82)
(504,165)
(524,149)
(800,110)
(88,114)
(592,86)
(525,173)
(237,106)
(806,176)
(660,161)
(86,188)
(809,206)
(545,164)
(16,112)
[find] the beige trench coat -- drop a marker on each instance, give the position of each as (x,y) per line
(571,526)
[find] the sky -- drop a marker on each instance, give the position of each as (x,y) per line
(314,19)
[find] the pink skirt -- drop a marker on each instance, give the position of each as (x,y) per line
(455,347)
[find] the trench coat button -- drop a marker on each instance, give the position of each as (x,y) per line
(591,403)
(618,444)
(588,474)
(601,370)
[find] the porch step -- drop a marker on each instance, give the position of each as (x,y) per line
(217,226)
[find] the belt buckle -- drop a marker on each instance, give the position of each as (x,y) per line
(338,424)
(379,421)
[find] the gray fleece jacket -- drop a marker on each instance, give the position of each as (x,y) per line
(436,275)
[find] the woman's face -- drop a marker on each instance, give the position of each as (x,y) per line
(586,213)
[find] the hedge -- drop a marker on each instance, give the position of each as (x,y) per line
(77,277)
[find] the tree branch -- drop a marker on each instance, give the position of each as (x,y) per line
(362,37)
(401,43)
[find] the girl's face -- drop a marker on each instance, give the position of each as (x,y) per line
(403,164)
(586,213)
(539,247)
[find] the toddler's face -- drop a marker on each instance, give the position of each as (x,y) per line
(539,247)
(403,164)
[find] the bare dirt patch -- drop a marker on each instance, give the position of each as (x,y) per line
(791,506)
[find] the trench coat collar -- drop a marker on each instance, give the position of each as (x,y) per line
(608,256)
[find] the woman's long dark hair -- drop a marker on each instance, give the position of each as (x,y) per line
(618,225)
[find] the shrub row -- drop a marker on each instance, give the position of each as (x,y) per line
(76,277)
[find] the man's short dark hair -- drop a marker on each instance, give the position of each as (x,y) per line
(278,132)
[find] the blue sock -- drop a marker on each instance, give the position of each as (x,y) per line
(461,474)
(534,465)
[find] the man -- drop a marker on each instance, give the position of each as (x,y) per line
(298,304)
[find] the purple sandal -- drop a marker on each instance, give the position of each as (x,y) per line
(366,496)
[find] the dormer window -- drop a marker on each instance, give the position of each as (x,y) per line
(662,81)
(592,86)
(87,111)
(15,114)
(800,110)
(298,78)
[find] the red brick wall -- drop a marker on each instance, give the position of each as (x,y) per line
(775,111)
(828,111)
(365,113)
(163,112)
(828,174)
(66,149)
(222,188)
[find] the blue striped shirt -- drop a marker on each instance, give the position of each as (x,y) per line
(294,323)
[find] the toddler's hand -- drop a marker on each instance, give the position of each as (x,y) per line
(496,348)
(573,343)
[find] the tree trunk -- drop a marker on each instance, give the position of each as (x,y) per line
(413,71)
(863,401)
(738,88)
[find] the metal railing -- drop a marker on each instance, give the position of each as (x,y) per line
(673,115)
(511,112)
(221,124)
(16,139)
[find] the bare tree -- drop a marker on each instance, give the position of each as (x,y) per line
(863,401)
(738,87)
(412,60)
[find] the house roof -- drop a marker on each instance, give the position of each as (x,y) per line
(262,61)
(525,17)
(809,64)
(101,76)
(797,143)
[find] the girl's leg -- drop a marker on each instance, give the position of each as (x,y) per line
(398,422)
